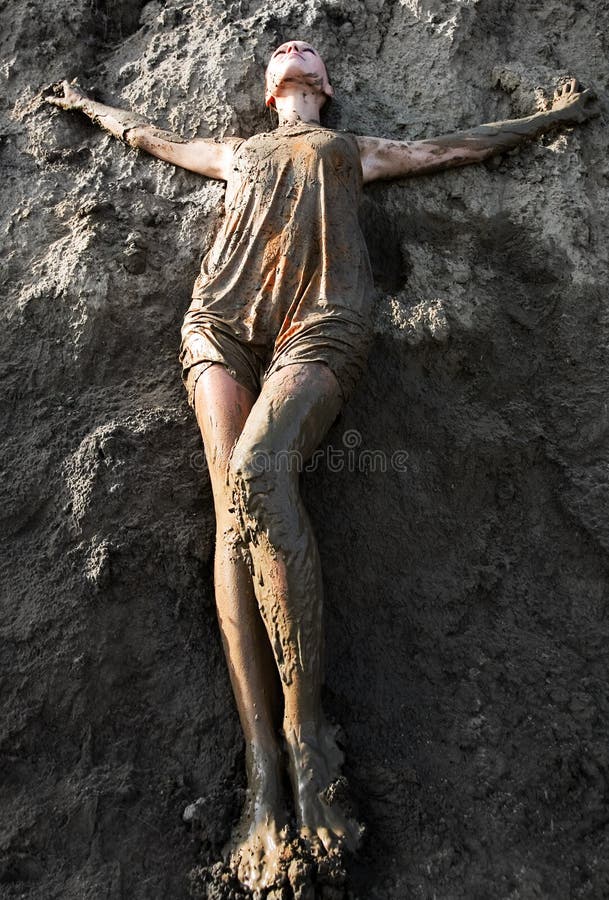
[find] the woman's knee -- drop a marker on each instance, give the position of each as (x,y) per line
(249,472)
(262,481)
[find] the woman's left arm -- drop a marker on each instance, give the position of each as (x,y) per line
(397,159)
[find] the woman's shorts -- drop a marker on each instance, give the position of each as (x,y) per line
(343,346)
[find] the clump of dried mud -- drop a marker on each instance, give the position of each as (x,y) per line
(300,870)
(462,504)
(302,875)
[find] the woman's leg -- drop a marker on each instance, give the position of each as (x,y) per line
(296,407)
(222,406)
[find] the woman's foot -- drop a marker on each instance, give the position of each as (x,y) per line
(315,762)
(257,845)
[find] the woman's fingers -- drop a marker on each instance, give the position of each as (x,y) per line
(567,89)
(575,104)
(64,94)
(53,93)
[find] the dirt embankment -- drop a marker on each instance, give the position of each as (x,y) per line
(466,578)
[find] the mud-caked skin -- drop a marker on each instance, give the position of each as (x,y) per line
(272,345)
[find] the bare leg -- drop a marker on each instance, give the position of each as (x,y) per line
(222,406)
(296,407)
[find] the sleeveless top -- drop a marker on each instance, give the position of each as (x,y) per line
(289,254)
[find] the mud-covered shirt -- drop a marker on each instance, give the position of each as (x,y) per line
(289,254)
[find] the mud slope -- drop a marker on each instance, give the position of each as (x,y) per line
(467,584)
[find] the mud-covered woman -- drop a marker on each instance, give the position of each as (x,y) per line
(274,340)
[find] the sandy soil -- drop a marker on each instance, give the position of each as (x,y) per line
(464,530)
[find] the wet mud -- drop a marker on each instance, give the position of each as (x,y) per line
(460,501)
(301,877)
(302,870)
(300,874)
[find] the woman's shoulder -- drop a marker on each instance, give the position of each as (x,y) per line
(277,139)
(299,128)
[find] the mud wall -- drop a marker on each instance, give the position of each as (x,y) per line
(466,575)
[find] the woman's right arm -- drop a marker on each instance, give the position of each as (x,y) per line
(204,156)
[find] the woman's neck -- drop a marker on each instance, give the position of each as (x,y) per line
(301,106)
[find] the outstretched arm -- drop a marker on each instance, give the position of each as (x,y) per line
(396,159)
(204,156)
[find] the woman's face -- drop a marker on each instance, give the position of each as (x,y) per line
(295,62)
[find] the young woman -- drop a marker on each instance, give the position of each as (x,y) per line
(272,344)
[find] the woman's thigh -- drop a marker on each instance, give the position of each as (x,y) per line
(296,407)
(222,406)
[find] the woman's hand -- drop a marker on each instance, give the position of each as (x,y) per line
(572,105)
(67,95)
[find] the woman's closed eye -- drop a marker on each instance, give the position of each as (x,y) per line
(304,50)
